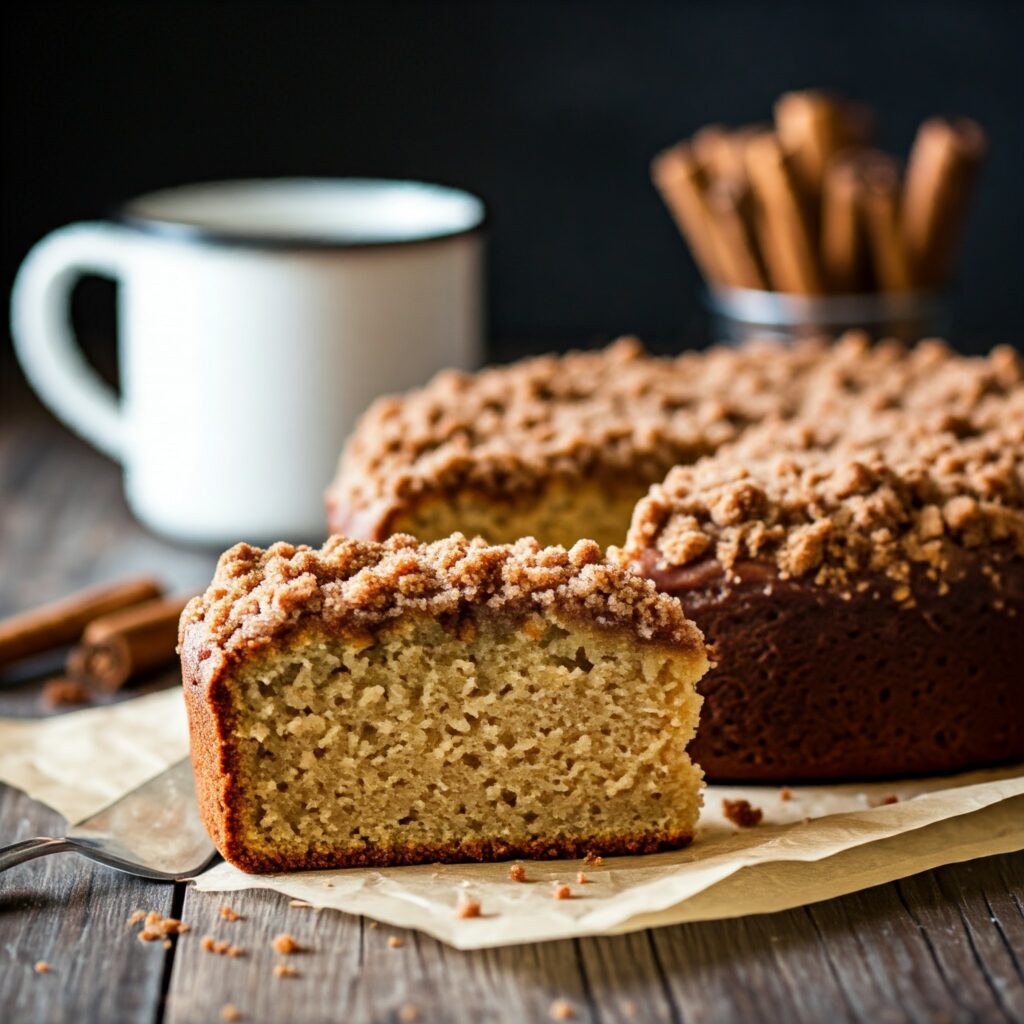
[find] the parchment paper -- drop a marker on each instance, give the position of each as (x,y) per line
(822,842)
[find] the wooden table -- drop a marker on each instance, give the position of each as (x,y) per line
(943,946)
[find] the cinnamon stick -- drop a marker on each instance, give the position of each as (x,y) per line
(813,126)
(880,200)
(678,178)
(941,173)
(127,643)
(732,235)
(786,237)
(61,622)
(842,230)
(719,151)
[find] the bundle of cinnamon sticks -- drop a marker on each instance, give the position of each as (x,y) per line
(809,206)
(118,631)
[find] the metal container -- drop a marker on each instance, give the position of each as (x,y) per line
(741,313)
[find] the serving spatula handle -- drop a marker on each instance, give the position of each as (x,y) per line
(29,849)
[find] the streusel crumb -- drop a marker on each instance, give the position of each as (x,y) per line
(285,944)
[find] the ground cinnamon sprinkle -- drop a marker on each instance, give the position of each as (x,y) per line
(467,906)
(517,873)
(561,892)
(286,944)
(42,967)
(562,1009)
(741,813)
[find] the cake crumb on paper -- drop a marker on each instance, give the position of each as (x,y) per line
(581,878)
(467,906)
(593,859)
(785,793)
(561,892)
(885,801)
(742,813)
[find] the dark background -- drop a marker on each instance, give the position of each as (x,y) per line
(550,111)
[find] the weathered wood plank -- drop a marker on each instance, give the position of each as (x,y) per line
(72,914)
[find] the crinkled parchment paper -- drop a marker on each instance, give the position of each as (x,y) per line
(821,842)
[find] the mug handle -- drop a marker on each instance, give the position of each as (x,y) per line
(43,338)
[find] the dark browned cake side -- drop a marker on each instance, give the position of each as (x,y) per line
(809,684)
(866,604)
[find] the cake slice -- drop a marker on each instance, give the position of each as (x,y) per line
(394,703)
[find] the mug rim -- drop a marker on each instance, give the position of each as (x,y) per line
(129,214)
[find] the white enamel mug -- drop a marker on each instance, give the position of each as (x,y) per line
(257,320)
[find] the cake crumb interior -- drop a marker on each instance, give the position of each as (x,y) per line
(479,741)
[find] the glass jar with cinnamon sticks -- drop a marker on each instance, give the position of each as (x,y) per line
(803,227)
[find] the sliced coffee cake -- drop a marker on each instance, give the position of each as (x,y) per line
(397,702)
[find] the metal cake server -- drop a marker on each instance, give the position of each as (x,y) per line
(154,832)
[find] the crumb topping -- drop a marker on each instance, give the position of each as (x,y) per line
(357,587)
(832,513)
(620,414)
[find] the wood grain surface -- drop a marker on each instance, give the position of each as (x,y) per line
(944,946)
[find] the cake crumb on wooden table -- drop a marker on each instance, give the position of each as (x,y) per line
(517,873)
(561,1009)
(229,915)
(561,891)
(230,1012)
(285,971)
(742,813)
(136,917)
(467,906)
(394,942)
(42,967)
(408,1013)
(285,944)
